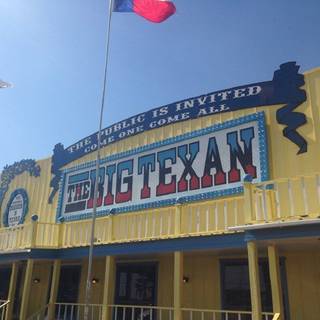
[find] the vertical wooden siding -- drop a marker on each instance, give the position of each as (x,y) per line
(303,276)
(39,290)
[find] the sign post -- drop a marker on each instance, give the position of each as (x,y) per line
(94,211)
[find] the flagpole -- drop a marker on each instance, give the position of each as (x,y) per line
(95,193)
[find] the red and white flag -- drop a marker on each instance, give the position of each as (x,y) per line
(153,10)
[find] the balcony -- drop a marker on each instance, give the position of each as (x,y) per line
(271,203)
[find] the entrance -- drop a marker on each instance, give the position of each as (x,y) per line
(235,286)
(5,273)
(136,285)
(68,290)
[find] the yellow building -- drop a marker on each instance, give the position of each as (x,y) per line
(208,208)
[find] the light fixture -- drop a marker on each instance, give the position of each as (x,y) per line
(36,280)
(94,280)
(185,279)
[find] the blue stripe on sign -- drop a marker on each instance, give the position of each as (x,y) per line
(123,6)
(78,177)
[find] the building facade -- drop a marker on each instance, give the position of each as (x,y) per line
(208,208)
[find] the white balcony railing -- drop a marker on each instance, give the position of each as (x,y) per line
(135,312)
(3,309)
(286,199)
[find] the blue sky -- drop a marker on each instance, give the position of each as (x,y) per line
(53,53)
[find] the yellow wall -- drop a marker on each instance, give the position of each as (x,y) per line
(39,291)
(203,288)
(204,280)
(282,153)
(303,277)
(98,272)
(165,281)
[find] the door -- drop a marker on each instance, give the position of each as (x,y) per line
(136,286)
(5,273)
(235,286)
(68,291)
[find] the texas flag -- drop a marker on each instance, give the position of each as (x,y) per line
(153,10)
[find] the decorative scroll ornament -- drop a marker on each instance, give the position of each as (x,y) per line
(287,85)
(10,172)
(283,89)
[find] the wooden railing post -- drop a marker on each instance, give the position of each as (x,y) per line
(177,219)
(60,235)
(254,280)
(275,278)
(272,213)
(177,282)
(248,199)
(54,288)
(34,229)
(110,229)
(110,225)
(12,289)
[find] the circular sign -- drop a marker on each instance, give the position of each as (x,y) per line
(17,208)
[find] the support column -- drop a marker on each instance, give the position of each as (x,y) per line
(12,289)
(26,290)
(275,278)
(109,287)
(254,280)
(178,275)
(54,288)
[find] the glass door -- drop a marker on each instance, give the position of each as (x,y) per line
(136,286)
(68,291)
(235,286)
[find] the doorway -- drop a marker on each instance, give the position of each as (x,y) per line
(235,286)
(5,273)
(68,290)
(69,284)
(136,284)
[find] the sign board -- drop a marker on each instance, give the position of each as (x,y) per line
(17,208)
(203,164)
(284,88)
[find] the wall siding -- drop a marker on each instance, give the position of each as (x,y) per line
(303,276)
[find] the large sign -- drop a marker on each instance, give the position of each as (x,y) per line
(17,208)
(285,88)
(199,165)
